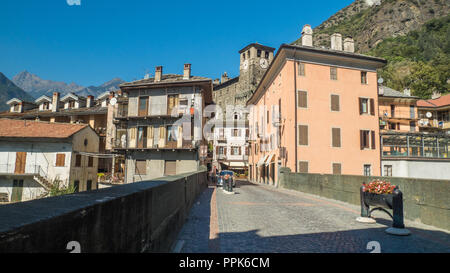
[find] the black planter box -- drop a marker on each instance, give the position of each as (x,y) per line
(392,201)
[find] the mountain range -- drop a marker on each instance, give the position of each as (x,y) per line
(36,87)
(9,90)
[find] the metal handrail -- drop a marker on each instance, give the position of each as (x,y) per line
(29,169)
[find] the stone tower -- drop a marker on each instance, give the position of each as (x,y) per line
(254,61)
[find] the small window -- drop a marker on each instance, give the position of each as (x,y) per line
(77,160)
(364,139)
(363,77)
(183,102)
(335,106)
(89,185)
(363,106)
(141,167)
(76,185)
(303,135)
(302,99)
(267,55)
(336,137)
(236,132)
(60,160)
(258,53)
(333,73)
(301,69)
(337,168)
(303,166)
(91,162)
(367,170)
(387,170)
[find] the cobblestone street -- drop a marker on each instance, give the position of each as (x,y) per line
(261,218)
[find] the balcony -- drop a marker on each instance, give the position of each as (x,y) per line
(12,169)
(155,110)
(398,115)
(415,145)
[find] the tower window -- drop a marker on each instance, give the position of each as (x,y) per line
(258,53)
(243,56)
(267,54)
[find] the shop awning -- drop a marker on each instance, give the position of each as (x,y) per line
(262,160)
(269,159)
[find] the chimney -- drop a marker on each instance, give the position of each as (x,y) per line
(336,41)
(224,77)
(380,89)
(89,101)
(158,73)
(216,82)
(55,102)
(187,72)
(407,91)
(436,95)
(307,33)
(349,45)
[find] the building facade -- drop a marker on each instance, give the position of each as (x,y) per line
(315,111)
(33,154)
(434,114)
(231,96)
(397,110)
(161,130)
(75,109)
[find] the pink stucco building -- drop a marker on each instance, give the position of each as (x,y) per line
(316,111)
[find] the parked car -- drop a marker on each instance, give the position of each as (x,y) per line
(222,174)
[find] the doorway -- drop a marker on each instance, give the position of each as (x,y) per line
(17,191)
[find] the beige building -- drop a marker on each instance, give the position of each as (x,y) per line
(159,124)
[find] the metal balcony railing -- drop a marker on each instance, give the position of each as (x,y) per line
(28,170)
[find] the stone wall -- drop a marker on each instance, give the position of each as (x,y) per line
(424,200)
(137,217)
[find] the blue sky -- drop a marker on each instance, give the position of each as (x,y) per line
(101,39)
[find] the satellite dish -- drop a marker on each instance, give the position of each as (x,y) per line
(113,101)
(429,115)
(380,80)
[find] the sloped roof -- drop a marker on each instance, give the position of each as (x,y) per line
(12,128)
(165,78)
(389,92)
(439,102)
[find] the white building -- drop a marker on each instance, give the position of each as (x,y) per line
(33,154)
(230,145)
(415,155)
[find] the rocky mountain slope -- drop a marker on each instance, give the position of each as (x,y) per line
(369,22)
(37,87)
(413,35)
(9,90)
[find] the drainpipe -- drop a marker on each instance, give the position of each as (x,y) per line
(295,107)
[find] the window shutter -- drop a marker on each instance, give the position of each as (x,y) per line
(336,137)
(360,106)
(303,166)
(335,103)
(361,139)
(373,139)
(225,150)
(372,107)
(337,168)
(302,99)
(303,134)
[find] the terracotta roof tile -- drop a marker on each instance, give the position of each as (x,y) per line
(439,102)
(37,129)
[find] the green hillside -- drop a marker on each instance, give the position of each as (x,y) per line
(419,60)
